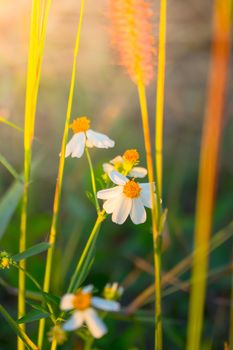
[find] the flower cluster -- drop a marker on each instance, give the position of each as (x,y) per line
(129,197)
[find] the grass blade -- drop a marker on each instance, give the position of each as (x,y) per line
(34,250)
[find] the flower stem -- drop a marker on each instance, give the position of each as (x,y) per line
(56,204)
(156,235)
(92,179)
(88,343)
(76,278)
(54,344)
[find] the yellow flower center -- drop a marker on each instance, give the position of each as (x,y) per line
(82,301)
(132,189)
(5,262)
(131,155)
(80,124)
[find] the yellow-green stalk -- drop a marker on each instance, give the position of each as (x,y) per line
(36,45)
(208,166)
(160,97)
(56,204)
(132,36)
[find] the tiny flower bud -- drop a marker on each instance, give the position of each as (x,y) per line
(57,333)
(113,291)
(5,260)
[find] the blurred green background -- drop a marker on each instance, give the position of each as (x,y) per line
(107,96)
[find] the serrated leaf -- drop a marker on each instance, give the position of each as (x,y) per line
(33,315)
(8,204)
(34,250)
(90,196)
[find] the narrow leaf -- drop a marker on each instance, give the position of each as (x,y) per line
(33,315)
(8,204)
(34,250)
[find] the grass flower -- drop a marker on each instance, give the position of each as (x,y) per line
(132,36)
(113,291)
(84,136)
(126,164)
(127,198)
(84,304)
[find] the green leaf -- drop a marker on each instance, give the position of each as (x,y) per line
(34,250)
(36,306)
(50,298)
(8,204)
(84,269)
(23,336)
(33,315)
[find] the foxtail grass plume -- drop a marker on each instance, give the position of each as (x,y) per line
(132,37)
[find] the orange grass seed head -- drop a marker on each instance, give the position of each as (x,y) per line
(80,124)
(132,36)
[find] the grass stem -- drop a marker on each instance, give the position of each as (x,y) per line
(156,237)
(92,179)
(56,204)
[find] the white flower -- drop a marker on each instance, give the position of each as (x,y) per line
(118,163)
(83,302)
(84,136)
(127,198)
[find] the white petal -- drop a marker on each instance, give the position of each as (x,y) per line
(110,205)
(70,145)
(74,322)
(117,178)
(108,167)
(146,198)
(146,186)
(67,302)
(138,213)
(99,140)
(88,289)
(94,323)
(117,159)
(138,172)
(110,192)
(103,304)
(122,209)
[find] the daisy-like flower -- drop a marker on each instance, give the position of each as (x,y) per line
(83,302)
(126,164)
(84,136)
(127,198)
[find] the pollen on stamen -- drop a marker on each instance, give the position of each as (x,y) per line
(82,301)
(80,124)
(131,155)
(132,189)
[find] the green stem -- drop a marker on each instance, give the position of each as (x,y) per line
(10,168)
(88,344)
(92,179)
(54,345)
(18,330)
(76,276)
(57,196)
